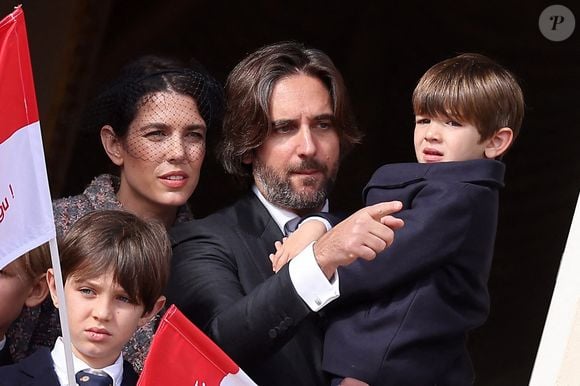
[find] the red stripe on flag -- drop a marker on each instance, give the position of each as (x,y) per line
(181,354)
(17,96)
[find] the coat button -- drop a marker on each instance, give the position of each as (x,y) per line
(272,333)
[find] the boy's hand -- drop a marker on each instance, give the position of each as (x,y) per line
(291,246)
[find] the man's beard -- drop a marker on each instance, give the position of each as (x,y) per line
(278,189)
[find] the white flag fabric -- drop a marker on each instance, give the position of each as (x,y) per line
(26,219)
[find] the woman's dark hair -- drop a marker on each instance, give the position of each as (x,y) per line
(118,103)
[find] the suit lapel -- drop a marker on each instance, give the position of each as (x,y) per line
(39,368)
(130,377)
(5,357)
(258,231)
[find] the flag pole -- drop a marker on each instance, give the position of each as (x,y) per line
(30,221)
(558,352)
(62,311)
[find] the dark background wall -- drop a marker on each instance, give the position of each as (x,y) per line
(382,48)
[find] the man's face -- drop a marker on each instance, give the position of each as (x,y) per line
(297,163)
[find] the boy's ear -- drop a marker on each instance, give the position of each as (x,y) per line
(38,292)
(498,144)
(52,286)
(156,308)
(112,145)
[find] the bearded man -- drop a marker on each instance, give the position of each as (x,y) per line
(287,125)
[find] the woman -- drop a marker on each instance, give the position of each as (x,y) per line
(152,122)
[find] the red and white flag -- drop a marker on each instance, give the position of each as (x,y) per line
(181,354)
(26,219)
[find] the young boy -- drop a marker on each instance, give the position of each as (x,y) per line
(115,267)
(22,284)
(403,318)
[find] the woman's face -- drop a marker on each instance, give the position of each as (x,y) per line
(161,154)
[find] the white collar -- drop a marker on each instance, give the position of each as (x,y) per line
(281,216)
(58,359)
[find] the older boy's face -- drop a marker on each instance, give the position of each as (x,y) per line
(438,139)
(298,162)
(14,289)
(101,317)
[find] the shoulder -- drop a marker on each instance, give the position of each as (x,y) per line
(99,194)
(69,209)
(214,224)
(226,220)
(37,365)
(472,176)
(397,174)
(474,171)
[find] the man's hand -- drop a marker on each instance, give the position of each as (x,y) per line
(364,234)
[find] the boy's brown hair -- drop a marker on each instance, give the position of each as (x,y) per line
(471,88)
(137,252)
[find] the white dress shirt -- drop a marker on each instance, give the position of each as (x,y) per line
(59,362)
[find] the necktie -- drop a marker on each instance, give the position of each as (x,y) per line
(91,377)
(291,225)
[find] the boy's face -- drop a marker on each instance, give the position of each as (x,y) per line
(441,139)
(101,317)
(14,290)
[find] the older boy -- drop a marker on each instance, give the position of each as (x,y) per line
(22,284)
(403,318)
(115,267)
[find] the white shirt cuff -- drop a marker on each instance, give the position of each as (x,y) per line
(310,282)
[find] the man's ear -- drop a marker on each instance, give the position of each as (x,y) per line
(248,158)
(38,292)
(52,286)
(498,144)
(112,145)
(156,308)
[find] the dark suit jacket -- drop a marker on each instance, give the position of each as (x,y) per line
(37,370)
(402,318)
(222,280)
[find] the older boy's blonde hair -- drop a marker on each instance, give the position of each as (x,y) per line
(471,88)
(34,263)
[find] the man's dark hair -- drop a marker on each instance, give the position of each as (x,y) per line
(249,88)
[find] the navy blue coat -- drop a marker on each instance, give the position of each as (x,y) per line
(37,370)
(402,319)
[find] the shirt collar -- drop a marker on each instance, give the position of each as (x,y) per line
(281,216)
(58,359)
